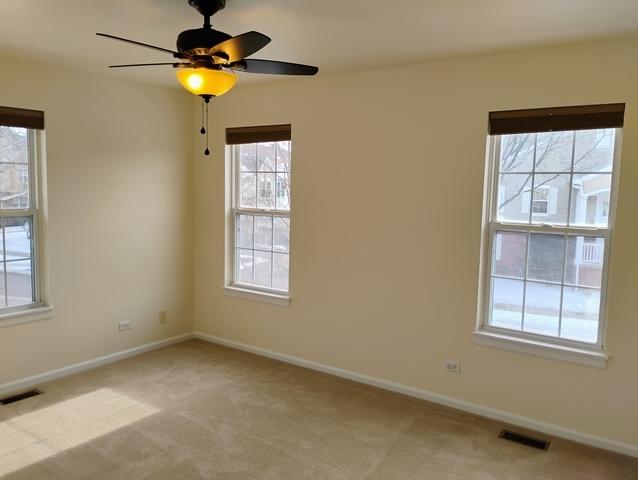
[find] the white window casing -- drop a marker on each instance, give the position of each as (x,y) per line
(38,308)
(276,210)
(554,346)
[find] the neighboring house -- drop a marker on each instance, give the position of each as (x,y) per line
(14,169)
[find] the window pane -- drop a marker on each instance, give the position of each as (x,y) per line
(281,238)
(244,265)
(244,231)
(517,153)
(14,186)
(585,256)
(283,191)
(266,156)
(266,190)
(509,253)
(514,197)
(283,156)
(550,199)
(580,314)
(14,145)
(590,200)
(263,269)
(263,232)
(248,157)
(248,190)
(542,308)
(554,151)
(546,253)
(17,238)
(507,303)
(280,272)
(19,282)
(594,150)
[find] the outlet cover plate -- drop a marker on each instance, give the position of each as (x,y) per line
(453,366)
(125,325)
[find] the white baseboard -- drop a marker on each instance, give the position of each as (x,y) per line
(30,382)
(493,413)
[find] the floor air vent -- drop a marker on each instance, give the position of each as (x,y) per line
(21,396)
(524,440)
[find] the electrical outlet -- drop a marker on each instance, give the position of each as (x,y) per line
(453,366)
(125,325)
(163,317)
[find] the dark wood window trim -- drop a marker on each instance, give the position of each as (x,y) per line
(20,117)
(270,133)
(556,119)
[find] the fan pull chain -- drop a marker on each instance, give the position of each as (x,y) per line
(203,130)
(207,151)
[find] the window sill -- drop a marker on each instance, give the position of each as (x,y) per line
(257,296)
(33,313)
(590,358)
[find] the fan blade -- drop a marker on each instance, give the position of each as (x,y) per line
(146,64)
(165,50)
(241,46)
(273,68)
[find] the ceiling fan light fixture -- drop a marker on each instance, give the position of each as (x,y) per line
(203,53)
(205,82)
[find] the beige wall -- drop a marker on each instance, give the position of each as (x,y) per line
(378,150)
(119,177)
(372,151)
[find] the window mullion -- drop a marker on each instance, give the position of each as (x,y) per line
(272,250)
(257,211)
(4,265)
(555,229)
(495,173)
(256,178)
(562,287)
(253,252)
(531,195)
(569,217)
(9,213)
(525,281)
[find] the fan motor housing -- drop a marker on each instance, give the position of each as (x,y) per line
(199,41)
(208,8)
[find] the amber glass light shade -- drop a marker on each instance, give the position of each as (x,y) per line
(206,81)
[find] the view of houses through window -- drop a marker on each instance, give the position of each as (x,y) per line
(549,231)
(17,218)
(262,214)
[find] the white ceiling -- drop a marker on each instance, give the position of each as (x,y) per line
(336,35)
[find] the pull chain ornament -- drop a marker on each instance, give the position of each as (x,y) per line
(205,120)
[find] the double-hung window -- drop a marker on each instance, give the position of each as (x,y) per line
(19,272)
(261,198)
(553,176)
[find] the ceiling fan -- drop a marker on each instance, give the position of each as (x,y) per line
(207,59)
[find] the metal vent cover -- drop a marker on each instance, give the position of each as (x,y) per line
(20,396)
(524,439)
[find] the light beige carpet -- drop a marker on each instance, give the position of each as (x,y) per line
(198,411)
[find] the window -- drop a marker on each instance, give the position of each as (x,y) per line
(540,203)
(549,227)
(261,199)
(19,285)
